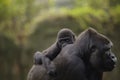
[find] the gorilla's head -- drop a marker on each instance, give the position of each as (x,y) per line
(65,36)
(96,50)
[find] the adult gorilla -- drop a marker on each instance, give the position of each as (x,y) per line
(87,58)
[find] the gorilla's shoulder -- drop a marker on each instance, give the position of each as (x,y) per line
(68,50)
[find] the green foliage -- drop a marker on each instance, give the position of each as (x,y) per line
(115,13)
(87,13)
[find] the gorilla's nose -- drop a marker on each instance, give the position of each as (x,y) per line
(114,59)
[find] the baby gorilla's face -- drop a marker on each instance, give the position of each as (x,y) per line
(64,41)
(65,36)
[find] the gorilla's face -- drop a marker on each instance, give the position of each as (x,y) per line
(109,59)
(66,39)
(102,57)
(96,50)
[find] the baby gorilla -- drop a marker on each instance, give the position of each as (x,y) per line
(65,36)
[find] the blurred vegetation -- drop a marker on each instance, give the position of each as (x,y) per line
(30,25)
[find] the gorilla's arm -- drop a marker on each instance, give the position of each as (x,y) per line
(52,51)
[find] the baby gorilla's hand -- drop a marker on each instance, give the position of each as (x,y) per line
(52,73)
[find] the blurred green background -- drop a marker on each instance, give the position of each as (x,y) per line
(27,26)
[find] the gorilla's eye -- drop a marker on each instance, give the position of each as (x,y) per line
(64,40)
(93,48)
(67,40)
(107,49)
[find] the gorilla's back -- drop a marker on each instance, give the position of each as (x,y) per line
(35,73)
(67,64)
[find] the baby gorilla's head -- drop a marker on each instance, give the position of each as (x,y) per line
(65,36)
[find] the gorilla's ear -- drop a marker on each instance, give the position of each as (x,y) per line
(91,31)
(92,34)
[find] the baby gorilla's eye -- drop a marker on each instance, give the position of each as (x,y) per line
(67,40)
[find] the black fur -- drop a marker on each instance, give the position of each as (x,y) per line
(87,58)
(44,60)
(65,36)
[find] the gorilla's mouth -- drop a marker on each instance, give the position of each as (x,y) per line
(109,66)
